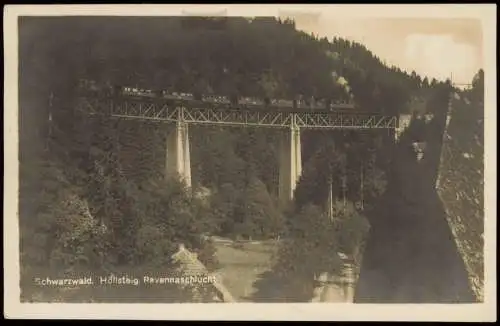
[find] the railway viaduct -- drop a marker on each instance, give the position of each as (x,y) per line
(290,123)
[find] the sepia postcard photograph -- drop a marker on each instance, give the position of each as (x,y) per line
(250,162)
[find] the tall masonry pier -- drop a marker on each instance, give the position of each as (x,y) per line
(178,160)
(290,163)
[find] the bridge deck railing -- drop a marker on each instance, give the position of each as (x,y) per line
(161,111)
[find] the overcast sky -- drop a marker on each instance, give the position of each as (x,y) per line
(432,47)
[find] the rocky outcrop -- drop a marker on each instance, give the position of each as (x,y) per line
(330,287)
(460,184)
(189,265)
(411,255)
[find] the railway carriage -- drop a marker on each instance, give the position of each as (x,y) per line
(299,104)
(216,99)
(251,102)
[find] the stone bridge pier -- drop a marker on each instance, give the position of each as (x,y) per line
(178,160)
(290,163)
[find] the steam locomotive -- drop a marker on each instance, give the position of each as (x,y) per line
(254,103)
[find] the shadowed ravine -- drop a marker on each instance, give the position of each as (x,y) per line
(411,255)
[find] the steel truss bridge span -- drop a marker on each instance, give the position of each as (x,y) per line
(141,109)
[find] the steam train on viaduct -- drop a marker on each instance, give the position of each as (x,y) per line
(299,104)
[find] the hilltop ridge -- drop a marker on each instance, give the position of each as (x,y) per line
(264,56)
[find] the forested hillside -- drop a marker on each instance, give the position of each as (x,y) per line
(92,193)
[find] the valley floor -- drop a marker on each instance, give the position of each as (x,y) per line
(242,265)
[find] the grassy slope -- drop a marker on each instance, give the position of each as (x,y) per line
(241,266)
